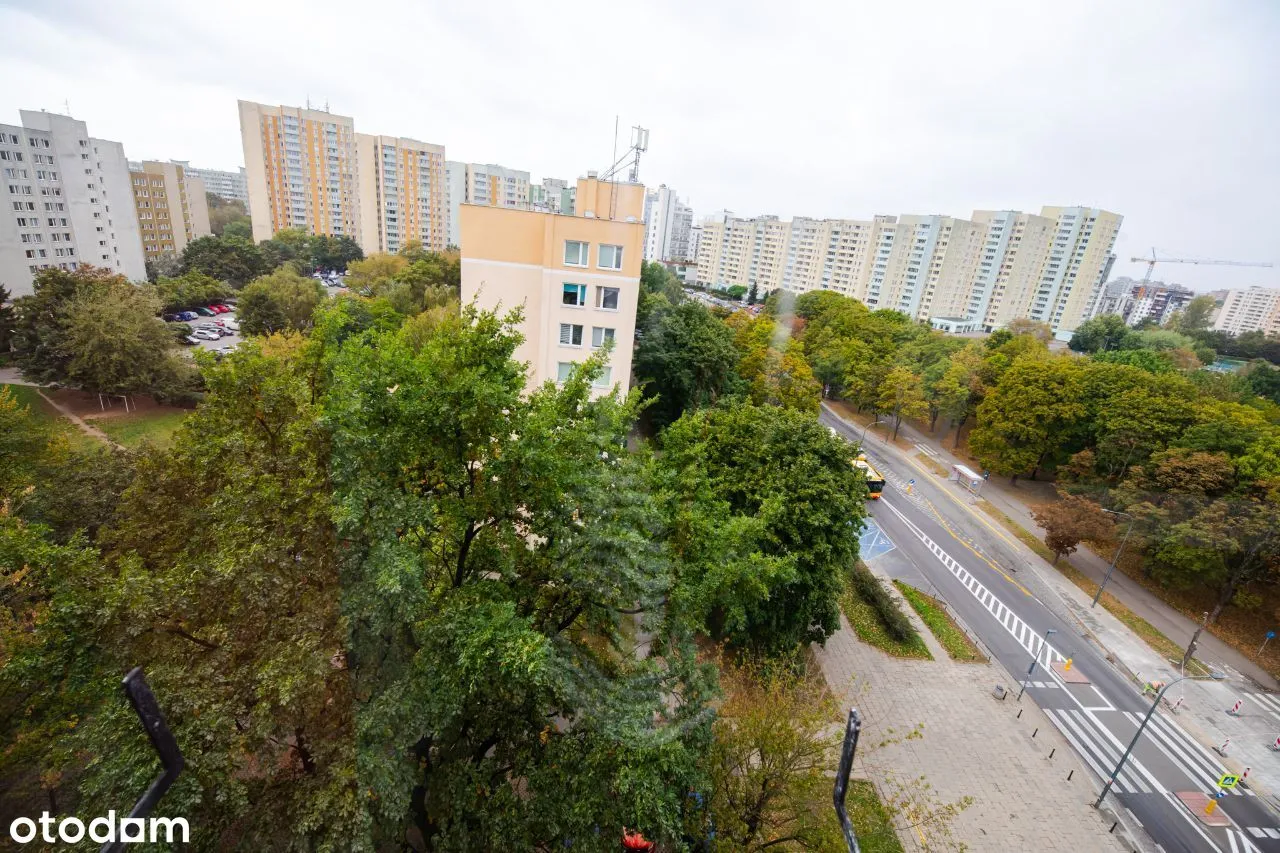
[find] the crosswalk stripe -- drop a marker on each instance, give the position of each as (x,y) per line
(1106,751)
(1084,752)
(1215,766)
(1192,759)
(1271,833)
(1255,832)
(1194,769)
(1231,839)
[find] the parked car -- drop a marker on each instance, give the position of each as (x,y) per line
(169,318)
(187,316)
(232,325)
(219,322)
(190,339)
(181,330)
(204,312)
(219,309)
(208,334)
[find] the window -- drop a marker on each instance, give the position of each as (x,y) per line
(607,298)
(570,335)
(574,294)
(575,253)
(563,369)
(605,379)
(610,257)
(599,335)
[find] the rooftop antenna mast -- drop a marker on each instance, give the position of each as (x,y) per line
(630,160)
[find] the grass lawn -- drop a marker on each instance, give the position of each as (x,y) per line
(49,416)
(156,426)
(934,615)
(866,624)
(1168,649)
(871,819)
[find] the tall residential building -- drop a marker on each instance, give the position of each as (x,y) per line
(577,277)
(67,202)
(1256,309)
(232,186)
(553,195)
(300,166)
(171,206)
(402,192)
(668,221)
(485,184)
(1137,301)
(963,274)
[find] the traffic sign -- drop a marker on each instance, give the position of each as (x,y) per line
(1271,635)
(1219,795)
(911,482)
(1228,781)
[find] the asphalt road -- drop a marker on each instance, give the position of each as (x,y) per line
(945,551)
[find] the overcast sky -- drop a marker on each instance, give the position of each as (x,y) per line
(1167,112)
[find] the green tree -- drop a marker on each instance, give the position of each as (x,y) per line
(334,253)
(190,290)
(7,320)
(1145,359)
(787,489)
(167,265)
(290,246)
(902,396)
(1029,418)
(1042,332)
(770,763)
(281,301)
(688,360)
(227,214)
(368,275)
(234,260)
(499,549)
(1102,334)
(1195,317)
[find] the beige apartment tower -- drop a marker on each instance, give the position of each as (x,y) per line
(577,277)
(172,208)
(300,167)
(402,193)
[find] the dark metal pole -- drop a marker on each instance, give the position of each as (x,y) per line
(1114,559)
(1132,744)
(148,711)
(1034,660)
(851,731)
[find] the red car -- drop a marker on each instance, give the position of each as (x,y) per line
(219,309)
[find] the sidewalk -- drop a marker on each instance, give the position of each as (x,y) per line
(1015,501)
(1202,712)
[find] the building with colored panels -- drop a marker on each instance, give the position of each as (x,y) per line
(402,190)
(171,206)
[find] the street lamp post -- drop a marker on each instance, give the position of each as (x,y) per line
(1116,558)
(1217,676)
(1034,660)
(863,438)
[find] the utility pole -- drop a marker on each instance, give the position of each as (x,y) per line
(1191,647)
(1116,558)
(1034,660)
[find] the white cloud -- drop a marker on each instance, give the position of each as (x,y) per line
(1165,112)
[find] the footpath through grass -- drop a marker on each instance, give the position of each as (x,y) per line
(875,623)
(46,414)
(130,430)
(934,615)
(1167,649)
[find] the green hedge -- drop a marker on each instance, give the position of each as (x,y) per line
(874,593)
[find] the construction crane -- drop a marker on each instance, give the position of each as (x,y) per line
(1153,260)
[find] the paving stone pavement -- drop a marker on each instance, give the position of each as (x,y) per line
(938,720)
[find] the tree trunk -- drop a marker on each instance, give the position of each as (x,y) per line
(933,421)
(1013,481)
(897,422)
(1056,556)
(959,427)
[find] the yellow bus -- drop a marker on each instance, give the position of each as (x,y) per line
(875,482)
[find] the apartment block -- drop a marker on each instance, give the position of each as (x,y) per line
(484,184)
(1138,301)
(67,202)
(232,186)
(171,206)
(962,274)
(668,221)
(300,169)
(553,195)
(1254,309)
(402,191)
(576,277)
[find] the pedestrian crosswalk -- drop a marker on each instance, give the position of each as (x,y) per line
(1239,842)
(1268,704)
(1201,767)
(1263,832)
(1097,749)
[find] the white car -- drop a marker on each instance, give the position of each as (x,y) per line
(231,325)
(208,335)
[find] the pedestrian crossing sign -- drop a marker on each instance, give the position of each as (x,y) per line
(1228,781)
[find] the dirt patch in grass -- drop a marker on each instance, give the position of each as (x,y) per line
(933,464)
(1166,648)
(934,615)
(870,629)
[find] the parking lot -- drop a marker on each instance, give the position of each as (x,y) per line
(232,340)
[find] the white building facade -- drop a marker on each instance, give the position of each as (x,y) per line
(232,186)
(67,202)
(668,222)
(1255,309)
